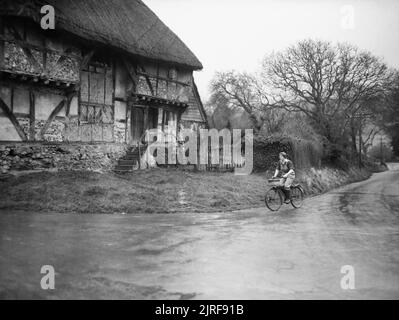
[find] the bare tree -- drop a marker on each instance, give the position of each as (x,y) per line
(368,141)
(388,113)
(242,90)
(327,83)
(334,86)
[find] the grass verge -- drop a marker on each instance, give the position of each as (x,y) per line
(153,191)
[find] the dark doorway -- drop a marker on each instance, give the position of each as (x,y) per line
(152,118)
(137,124)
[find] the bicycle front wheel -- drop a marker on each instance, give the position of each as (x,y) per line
(273,199)
(296,197)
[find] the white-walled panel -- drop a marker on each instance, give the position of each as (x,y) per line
(120,110)
(74,108)
(121,81)
(21,101)
(45,103)
(5,94)
(7,130)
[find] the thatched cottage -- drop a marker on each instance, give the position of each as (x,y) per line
(89,89)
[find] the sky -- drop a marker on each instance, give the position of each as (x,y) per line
(237,34)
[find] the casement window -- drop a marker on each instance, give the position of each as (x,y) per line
(96,94)
(96,102)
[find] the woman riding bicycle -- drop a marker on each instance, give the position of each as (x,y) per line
(285,170)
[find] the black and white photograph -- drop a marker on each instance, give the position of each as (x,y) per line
(199,150)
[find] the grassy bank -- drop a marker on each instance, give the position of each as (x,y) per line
(154,191)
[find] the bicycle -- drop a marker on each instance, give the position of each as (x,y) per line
(274,197)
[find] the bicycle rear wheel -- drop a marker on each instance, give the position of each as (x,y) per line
(296,197)
(273,199)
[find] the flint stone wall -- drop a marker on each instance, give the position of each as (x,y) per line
(30,156)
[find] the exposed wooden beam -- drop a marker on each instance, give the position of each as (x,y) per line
(120,99)
(39,48)
(66,102)
(12,99)
(146,124)
(52,116)
(68,105)
(13,120)
(147,79)
(157,84)
(131,72)
(86,59)
(1,43)
(143,73)
(32,117)
(198,98)
(21,115)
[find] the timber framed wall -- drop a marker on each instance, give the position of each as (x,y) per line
(63,91)
(39,78)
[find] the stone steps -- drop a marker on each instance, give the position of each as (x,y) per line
(130,157)
(125,168)
(129,162)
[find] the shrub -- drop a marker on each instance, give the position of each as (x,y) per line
(304,153)
(377,151)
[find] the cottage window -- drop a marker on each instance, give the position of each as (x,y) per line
(96,94)
(172,74)
(96,101)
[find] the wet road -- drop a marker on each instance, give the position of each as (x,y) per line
(251,254)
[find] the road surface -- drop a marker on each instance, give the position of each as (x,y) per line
(251,254)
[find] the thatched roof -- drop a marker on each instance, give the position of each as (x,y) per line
(125,24)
